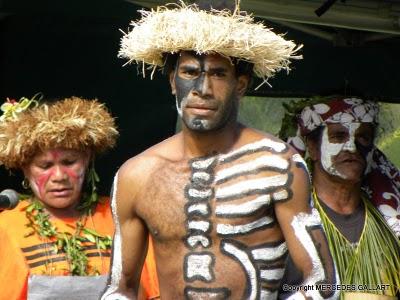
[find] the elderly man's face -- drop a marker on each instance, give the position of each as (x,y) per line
(207,90)
(345,149)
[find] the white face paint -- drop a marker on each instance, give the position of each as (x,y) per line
(328,149)
(178,107)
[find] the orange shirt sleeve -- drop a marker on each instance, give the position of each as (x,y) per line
(149,279)
(13,270)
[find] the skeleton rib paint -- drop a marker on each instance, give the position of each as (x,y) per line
(255,260)
(199,266)
(252,187)
(237,251)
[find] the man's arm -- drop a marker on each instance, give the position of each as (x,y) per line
(304,236)
(130,238)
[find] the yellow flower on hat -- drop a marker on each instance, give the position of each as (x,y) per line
(11,108)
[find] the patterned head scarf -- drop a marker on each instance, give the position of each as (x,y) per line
(382,182)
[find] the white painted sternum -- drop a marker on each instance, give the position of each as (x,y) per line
(233,185)
(328,149)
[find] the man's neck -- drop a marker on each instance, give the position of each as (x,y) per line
(197,144)
(340,195)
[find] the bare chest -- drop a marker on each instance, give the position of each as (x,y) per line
(220,195)
(218,213)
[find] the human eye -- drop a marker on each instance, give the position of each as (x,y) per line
(219,74)
(365,139)
(69,161)
(338,137)
(44,165)
(189,72)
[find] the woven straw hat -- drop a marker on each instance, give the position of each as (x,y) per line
(71,123)
(180,27)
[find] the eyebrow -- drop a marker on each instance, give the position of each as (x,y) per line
(195,68)
(218,69)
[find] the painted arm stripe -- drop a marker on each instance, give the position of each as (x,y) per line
(300,223)
(243,258)
(269,253)
(252,186)
(281,195)
(266,162)
(116,262)
(265,144)
(243,209)
(228,229)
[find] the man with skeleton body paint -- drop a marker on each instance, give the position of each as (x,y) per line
(224,203)
(338,134)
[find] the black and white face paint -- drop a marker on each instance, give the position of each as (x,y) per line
(329,150)
(198,82)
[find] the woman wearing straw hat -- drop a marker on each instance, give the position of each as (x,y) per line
(56,243)
(222,202)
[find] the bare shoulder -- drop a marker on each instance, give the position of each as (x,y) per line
(251,135)
(139,168)
(279,147)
